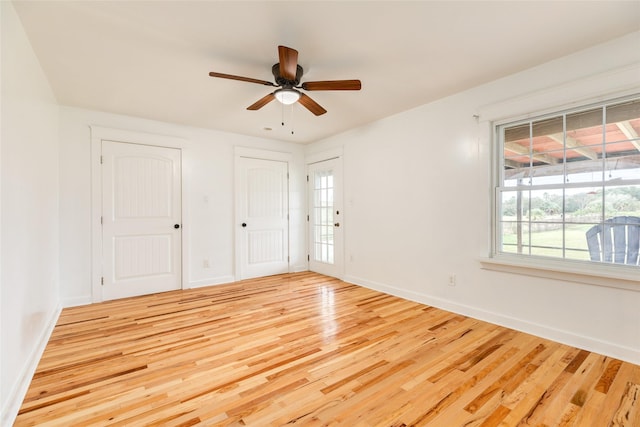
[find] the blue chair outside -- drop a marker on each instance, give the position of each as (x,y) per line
(617,240)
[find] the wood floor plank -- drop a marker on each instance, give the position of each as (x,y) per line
(306,349)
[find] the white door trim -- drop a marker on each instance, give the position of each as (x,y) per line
(98,134)
(255,153)
(310,159)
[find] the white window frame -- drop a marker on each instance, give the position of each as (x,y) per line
(604,274)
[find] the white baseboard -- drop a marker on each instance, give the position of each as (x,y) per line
(11,405)
(211,281)
(607,348)
(299,268)
(76,301)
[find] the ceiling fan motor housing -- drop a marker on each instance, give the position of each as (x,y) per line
(281,81)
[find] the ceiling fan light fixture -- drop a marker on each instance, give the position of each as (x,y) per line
(287,96)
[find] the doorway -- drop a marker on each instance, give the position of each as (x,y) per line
(326,217)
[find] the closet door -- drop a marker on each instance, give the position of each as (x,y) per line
(263,217)
(141,219)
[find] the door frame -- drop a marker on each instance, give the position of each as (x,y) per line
(97,135)
(256,153)
(311,159)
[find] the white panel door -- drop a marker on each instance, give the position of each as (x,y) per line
(141,215)
(263,217)
(326,222)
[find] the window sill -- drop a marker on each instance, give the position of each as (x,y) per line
(612,276)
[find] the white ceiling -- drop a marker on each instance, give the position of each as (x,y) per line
(151,59)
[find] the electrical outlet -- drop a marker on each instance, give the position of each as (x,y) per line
(452,279)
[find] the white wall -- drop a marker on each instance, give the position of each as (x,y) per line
(208,159)
(29,213)
(417,206)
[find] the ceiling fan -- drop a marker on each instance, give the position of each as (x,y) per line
(287,74)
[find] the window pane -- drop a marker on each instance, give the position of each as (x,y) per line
(621,163)
(516,155)
(514,234)
(510,230)
(508,237)
(515,177)
(622,200)
(326,230)
(583,169)
(585,128)
(576,241)
(546,239)
(317,216)
(546,206)
(317,181)
(583,205)
(548,141)
(623,123)
(325,255)
(549,173)
(511,205)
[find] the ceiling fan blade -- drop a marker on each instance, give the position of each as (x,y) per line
(242,79)
(261,102)
(288,62)
(333,85)
(311,105)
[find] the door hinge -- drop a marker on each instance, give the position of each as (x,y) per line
(101,223)
(307,178)
(287,175)
(101,159)
(308,258)
(307,218)
(102,281)
(288,259)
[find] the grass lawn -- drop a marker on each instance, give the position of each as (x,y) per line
(575,242)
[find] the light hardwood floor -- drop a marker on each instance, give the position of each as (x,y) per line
(306,349)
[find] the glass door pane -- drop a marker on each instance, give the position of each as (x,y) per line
(323,216)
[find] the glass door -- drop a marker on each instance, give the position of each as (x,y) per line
(326,219)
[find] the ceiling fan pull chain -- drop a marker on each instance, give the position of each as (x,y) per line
(292,118)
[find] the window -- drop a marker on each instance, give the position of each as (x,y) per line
(568,185)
